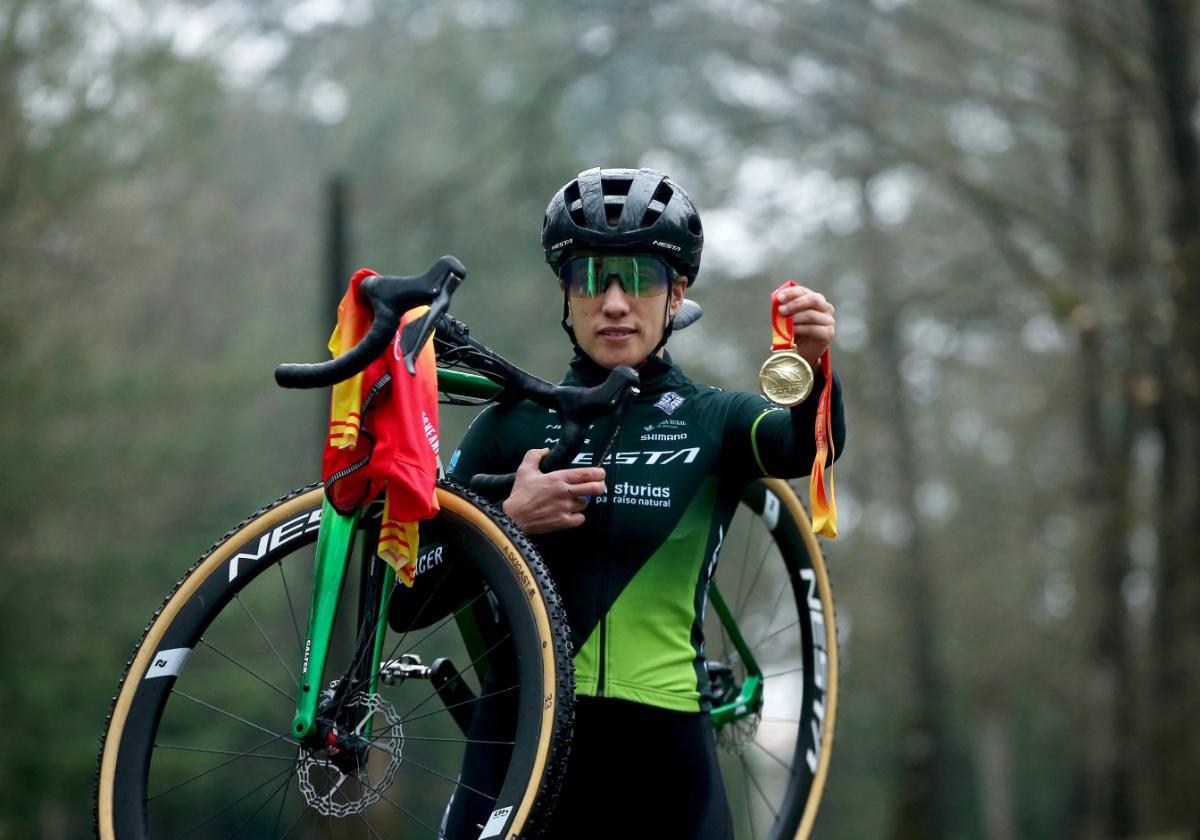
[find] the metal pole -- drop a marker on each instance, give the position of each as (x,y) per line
(337,268)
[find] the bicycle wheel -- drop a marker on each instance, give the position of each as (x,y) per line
(199,744)
(772,659)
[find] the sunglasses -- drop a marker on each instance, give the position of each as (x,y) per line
(640,276)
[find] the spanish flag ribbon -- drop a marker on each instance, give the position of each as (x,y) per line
(383,435)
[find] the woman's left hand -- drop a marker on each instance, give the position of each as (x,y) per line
(812,320)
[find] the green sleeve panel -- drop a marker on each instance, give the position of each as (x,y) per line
(649,654)
(760,439)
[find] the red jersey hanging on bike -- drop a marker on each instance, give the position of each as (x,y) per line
(377,440)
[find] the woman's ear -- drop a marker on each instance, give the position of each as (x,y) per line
(678,291)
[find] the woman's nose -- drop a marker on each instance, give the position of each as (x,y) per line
(615,302)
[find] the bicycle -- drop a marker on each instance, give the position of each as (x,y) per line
(202,740)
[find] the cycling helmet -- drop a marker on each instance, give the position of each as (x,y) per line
(638,210)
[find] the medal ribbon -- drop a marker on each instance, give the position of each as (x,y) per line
(783,334)
(820,490)
(820,494)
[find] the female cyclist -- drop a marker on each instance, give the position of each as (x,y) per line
(633,541)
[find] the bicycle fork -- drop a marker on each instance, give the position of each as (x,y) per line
(334,542)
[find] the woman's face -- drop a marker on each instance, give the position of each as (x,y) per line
(618,329)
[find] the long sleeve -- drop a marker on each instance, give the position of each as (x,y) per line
(765,440)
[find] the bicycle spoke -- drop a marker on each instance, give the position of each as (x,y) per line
(771,618)
(445,709)
(469,667)
(266,639)
(370,831)
(746,797)
(304,812)
(762,562)
(778,760)
(456,782)
(225,763)
(222,810)
(244,754)
(287,789)
(742,577)
(440,625)
(795,623)
(256,676)
(758,788)
(232,716)
(784,673)
(287,592)
(282,785)
(460,740)
(408,813)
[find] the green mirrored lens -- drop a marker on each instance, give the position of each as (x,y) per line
(639,276)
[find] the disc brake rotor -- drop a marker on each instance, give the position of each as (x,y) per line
(333,792)
(735,736)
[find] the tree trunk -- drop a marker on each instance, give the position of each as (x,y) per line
(994,769)
(923,809)
(1177,617)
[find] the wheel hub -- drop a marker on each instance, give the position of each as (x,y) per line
(349,765)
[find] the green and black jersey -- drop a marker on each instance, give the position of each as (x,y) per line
(634,577)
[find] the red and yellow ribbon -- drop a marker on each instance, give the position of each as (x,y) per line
(820,490)
(820,493)
(783,332)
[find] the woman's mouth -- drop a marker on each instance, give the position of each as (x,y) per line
(617,334)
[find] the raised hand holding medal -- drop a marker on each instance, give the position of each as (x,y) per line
(801,331)
(786,377)
(802,328)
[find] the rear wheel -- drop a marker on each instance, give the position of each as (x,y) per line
(464,734)
(772,660)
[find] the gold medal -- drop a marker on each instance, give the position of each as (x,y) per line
(785,378)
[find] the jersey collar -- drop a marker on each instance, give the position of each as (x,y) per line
(655,373)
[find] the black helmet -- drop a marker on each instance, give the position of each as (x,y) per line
(624,210)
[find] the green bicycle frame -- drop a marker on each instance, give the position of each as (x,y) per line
(334,541)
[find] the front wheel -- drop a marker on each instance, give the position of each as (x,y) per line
(460,730)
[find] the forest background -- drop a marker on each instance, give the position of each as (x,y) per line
(1001,197)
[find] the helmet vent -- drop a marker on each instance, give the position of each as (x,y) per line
(653,210)
(613,205)
(574,203)
(657,204)
(618,186)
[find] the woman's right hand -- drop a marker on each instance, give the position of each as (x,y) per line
(544,502)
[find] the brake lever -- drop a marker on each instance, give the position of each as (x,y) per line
(618,416)
(415,334)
